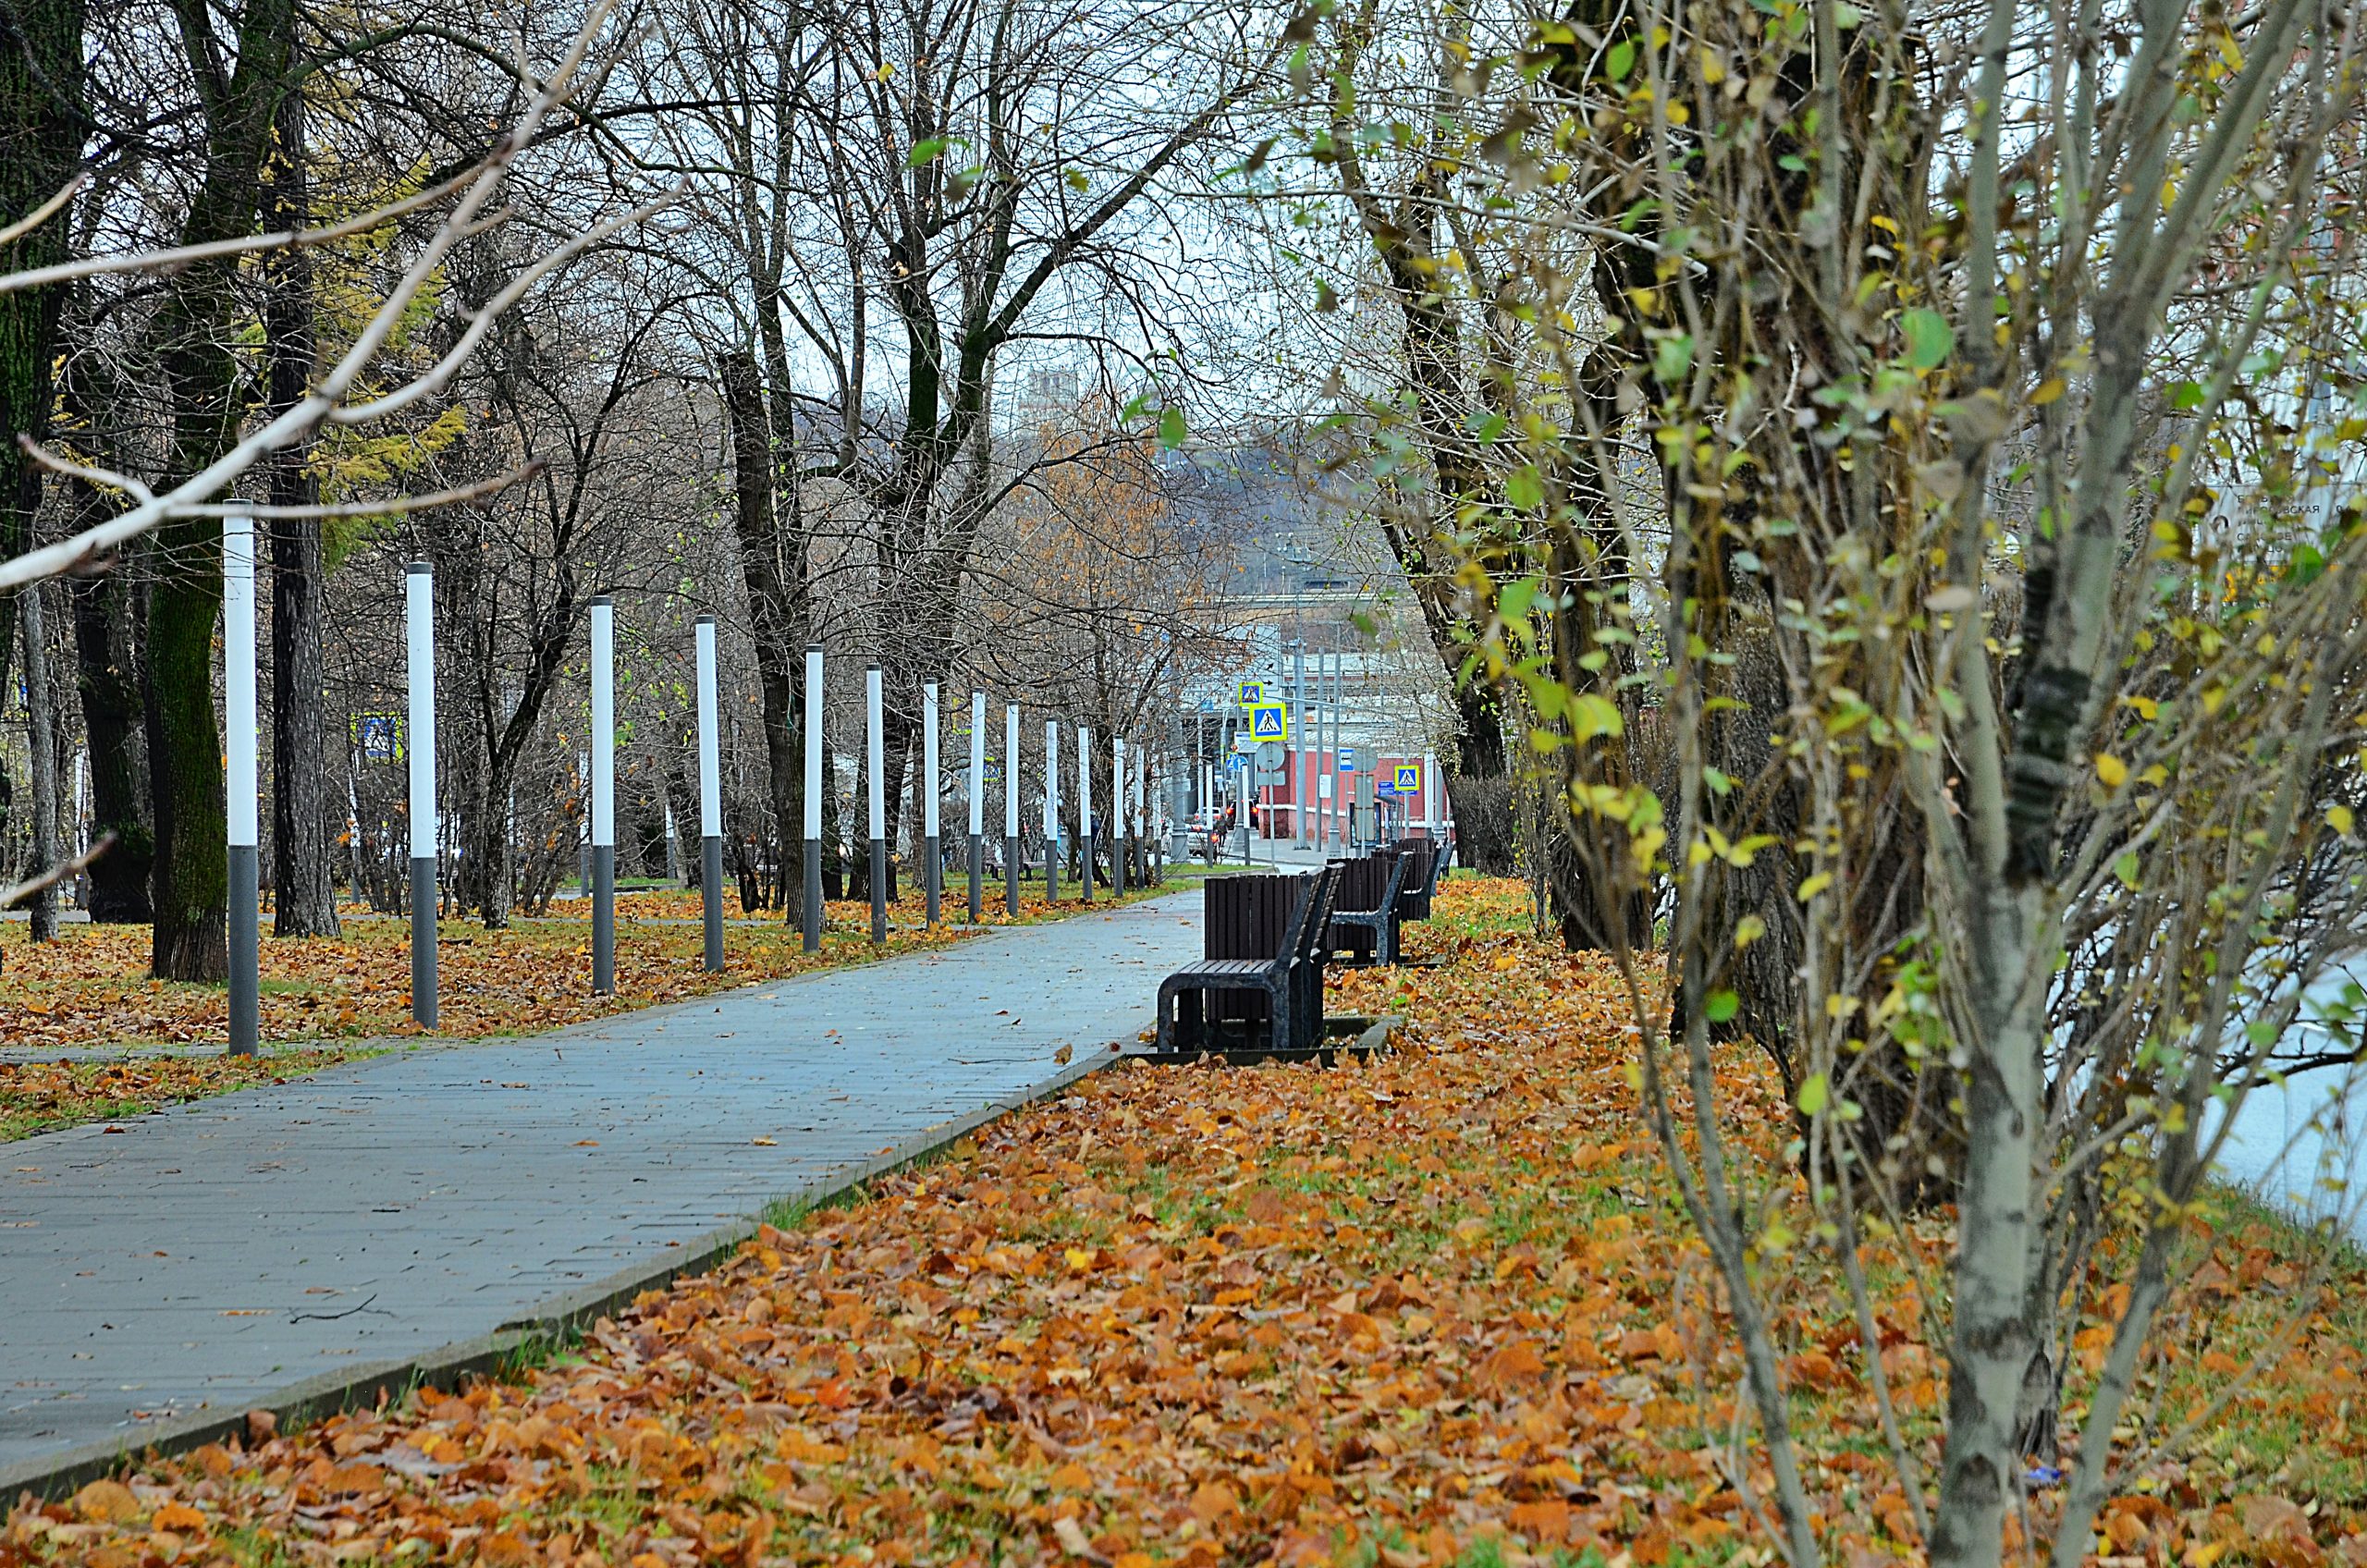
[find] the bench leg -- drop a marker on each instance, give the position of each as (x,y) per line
(1182,1017)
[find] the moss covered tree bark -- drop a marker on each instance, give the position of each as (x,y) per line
(303,859)
(195,331)
(42,127)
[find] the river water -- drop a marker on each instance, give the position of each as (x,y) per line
(2290,1142)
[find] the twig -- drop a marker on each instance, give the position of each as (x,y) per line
(38,216)
(180,256)
(58,872)
(392,504)
(326,403)
(361,1306)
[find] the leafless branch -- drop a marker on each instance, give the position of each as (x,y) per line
(196,495)
(12,896)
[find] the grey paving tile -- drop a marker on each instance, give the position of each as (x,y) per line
(435,1205)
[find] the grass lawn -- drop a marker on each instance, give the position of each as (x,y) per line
(1439,1310)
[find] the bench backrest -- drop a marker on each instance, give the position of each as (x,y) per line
(1313,915)
(1373,882)
(1413,899)
(1248,915)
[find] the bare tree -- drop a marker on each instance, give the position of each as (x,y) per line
(343,396)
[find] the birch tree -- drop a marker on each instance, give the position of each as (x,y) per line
(1996,380)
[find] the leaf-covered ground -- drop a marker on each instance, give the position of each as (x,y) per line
(36,1097)
(91,988)
(1439,1310)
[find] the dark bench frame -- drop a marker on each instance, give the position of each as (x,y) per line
(1291,980)
(1415,902)
(1382,920)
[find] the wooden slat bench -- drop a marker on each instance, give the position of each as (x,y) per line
(1422,880)
(1367,931)
(1282,986)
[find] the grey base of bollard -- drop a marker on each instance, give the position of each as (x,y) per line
(604,919)
(246,977)
(1011,875)
(1085,862)
(1118,869)
(711,901)
(813,894)
(1052,873)
(978,877)
(878,890)
(423,941)
(933,867)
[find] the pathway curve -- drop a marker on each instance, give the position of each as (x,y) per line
(203,1259)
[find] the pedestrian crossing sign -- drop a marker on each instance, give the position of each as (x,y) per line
(1251,693)
(1409,778)
(1269,722)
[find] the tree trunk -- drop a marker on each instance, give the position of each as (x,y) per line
(191,881)
(41,132)
(770,569)
(304,862)
(839,880)
(42,727)
(899,733)
(1478,786)
(197,334)
(107,671)
(489,840)
(1992,1342)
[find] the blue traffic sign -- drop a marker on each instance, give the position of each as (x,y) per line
(1269,722)
(1347,759)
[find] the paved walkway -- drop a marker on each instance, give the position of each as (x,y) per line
(203,1259)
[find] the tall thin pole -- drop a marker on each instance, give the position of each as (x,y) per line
(1085,806)
(1339,780)
(929,805)
(1430,799)
(977,806)
(604,795)
(1010,808)
(1299,782)
(1119,837)
(1051,810)
(419,617)
(873,753)
(710,800)
(1142,825)
(813,797)
(238,711)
